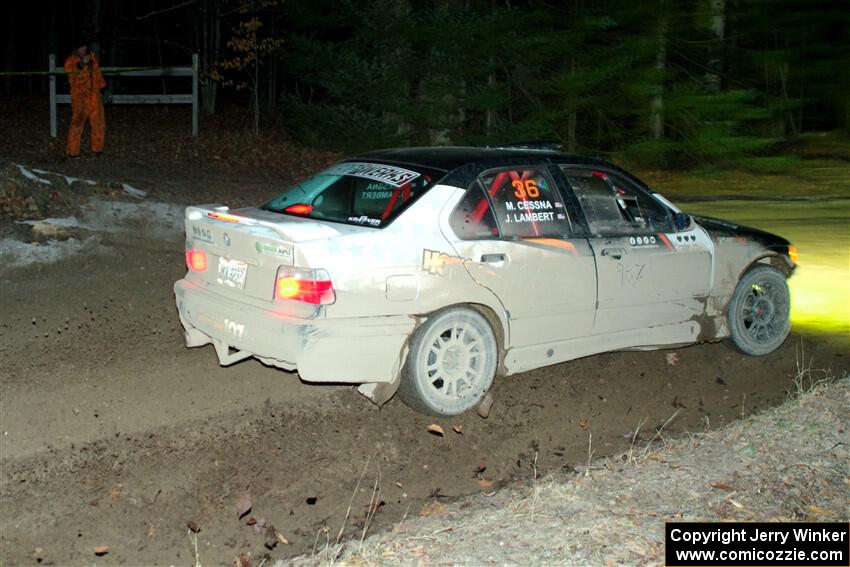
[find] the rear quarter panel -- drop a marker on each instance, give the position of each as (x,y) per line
(407,268)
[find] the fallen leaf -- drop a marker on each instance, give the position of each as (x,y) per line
(720,485)
(281,539)
(737,505)
(584,423)
(244,560)
(101,550)
(432,509)
(193,527)
(243,505)
(480,468)
(38,554)
(375,506)
(676,403)
(251,521)
(435,429)
(398,484)
(636,548)
(672,358)
(485,483)
(271,537)
(458,429)
(820,511)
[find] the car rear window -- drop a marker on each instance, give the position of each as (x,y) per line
(359,193)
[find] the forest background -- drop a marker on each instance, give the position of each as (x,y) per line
(662,83)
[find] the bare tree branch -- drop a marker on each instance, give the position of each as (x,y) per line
(164,10)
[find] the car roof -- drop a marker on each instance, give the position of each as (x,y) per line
(449,158)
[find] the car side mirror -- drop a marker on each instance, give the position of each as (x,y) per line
(682,220)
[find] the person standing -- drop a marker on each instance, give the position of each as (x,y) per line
(86,82)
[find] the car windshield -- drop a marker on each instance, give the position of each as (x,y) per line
(359,193)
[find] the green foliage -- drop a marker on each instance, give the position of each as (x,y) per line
(395,72)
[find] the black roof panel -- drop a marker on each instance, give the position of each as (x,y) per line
(448,158)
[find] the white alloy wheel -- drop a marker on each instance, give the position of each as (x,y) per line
(451,364)
(759,313)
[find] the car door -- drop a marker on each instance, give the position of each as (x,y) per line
(514,234)
(648,274)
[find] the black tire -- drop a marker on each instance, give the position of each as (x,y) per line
(451,363)
(759,314)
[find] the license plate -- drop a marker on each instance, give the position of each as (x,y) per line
(232,272)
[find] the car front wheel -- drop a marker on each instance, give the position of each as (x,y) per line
(759,313)
(451,363)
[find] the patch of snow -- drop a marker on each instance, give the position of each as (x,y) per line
(64,222)
(161,221)
(32,176)
(17,253)
(133,192)
(40,171)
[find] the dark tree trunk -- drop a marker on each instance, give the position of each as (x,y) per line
(93,26)
(717,31)
(9,60)
(656,104)
(210,48)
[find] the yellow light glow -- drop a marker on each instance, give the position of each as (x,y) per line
(820,286)
(287,287)
(820,300)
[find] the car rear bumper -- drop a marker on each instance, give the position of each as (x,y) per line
(350,350)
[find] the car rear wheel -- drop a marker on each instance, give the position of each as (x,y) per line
(759,313)
(451,364)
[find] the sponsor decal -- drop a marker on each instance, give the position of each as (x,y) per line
(363,219)
(435,262)
(649,241)
(272,249)
(389,174)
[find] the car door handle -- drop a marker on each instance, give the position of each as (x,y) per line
(493,258)
(615,253)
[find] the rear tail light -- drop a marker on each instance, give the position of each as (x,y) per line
(196,260)
(792,253)
(308,286)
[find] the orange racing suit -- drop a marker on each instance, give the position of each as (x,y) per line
(86,104)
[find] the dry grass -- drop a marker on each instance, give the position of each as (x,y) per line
(789,463)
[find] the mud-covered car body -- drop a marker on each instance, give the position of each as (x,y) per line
(564,256)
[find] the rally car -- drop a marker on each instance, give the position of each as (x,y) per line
(430,271)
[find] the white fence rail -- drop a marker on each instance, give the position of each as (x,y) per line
(180,98)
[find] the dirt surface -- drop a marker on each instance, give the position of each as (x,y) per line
(114,434)
(787,464)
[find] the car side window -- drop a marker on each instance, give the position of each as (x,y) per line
(613,205)
(473,217)
(526,203)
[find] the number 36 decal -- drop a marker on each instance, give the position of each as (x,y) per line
(524,189)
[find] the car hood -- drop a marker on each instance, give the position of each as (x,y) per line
(720,227)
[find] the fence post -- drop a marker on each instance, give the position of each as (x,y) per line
(195,67)
(51,63)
